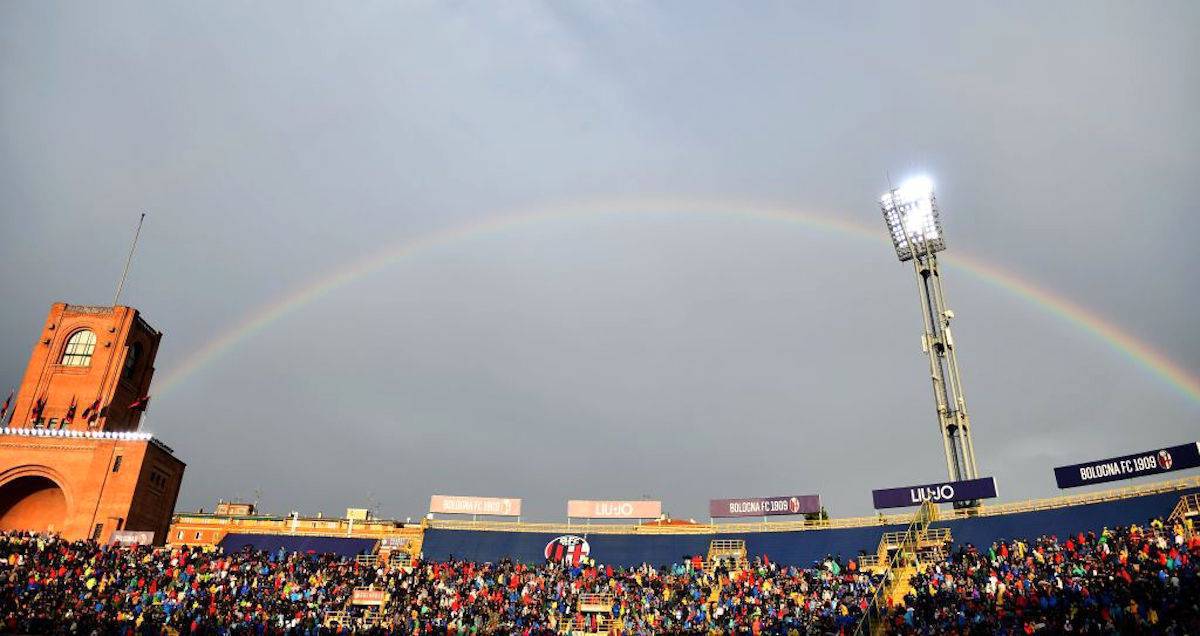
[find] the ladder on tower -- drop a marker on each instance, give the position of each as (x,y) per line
(728,552)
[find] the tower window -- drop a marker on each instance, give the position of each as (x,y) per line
(117,464)
(132,353)
(78,352)
(97,531)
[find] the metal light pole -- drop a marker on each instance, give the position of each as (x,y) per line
(911,214)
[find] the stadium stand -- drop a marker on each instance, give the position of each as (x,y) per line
(1140,578)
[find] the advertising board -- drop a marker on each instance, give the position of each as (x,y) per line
(1151,462)
(614,509)
(764,506)
(465,505)
(942,492)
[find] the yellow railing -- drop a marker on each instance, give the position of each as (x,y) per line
(899,565)
(1031,505)
(596,602)
(590,624)
(1188,506)
(1113,494)
(284,525)
(699,528)
(718,548)
(932,536)
(381,529)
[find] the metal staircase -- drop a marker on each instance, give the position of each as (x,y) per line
(1187,509)
(593,615)
(899,557)
(928,546)
(728,552)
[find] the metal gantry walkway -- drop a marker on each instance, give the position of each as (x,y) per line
(593,615)
(728,552)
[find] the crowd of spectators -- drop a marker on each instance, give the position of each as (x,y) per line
(1126,580)
(1131,580)
(54,586)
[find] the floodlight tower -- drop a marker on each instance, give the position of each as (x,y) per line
(911,214)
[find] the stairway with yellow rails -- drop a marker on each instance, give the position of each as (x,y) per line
(901,555)
(1186,513)
(373,614)
(728,552)
(593,615)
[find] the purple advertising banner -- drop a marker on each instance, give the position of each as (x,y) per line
(1151,462)
(944,492)
(763,506)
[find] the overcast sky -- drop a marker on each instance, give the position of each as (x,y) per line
(627,351)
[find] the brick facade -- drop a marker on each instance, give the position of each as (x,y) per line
(80,474)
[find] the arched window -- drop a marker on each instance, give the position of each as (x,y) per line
(132,353)
(80,346)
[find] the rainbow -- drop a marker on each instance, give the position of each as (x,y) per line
(1140,353)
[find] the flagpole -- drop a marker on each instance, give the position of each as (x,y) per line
(129,259)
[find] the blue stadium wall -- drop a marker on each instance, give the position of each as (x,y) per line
(794,548)
(343,546)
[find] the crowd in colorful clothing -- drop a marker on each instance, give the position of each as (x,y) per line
(1134,580)
(51,585)
(1128,580)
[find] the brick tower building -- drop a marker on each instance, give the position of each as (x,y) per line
(72,459)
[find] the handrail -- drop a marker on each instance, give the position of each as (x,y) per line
(1187,506)
(925,515)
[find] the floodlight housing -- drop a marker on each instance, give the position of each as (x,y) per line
(911,214)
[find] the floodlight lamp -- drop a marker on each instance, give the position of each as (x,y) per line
(911,214)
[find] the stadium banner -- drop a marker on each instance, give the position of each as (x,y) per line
(1151,462)
(944,492)
(368,596)
(763,506)
(459,505)
(614,509)
(130,537)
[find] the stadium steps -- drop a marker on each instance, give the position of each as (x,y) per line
(900,552)
(901,584)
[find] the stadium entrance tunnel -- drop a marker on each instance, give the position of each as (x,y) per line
(32,502)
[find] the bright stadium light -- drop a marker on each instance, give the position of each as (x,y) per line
(911,214)
(912,218)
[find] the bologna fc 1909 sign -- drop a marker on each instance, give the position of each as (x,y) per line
(567,549)
(1143,464)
